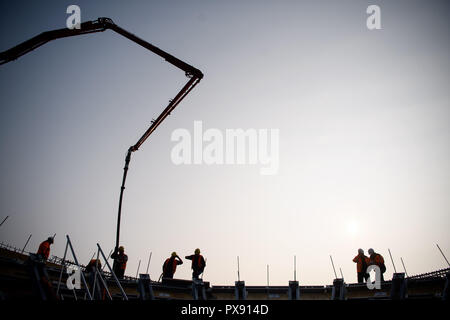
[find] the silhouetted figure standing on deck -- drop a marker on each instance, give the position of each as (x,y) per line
(361,266)
(120,262)
(198,264)
(37,268)
(95,266)
(44,249)
(170,265)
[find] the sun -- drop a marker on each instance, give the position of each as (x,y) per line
(352,227)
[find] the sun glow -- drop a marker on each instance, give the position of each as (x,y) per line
(352,227)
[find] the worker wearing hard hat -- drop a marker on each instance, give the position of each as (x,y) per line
(120,262)
(361,266)
(170,265)
(44,248)
(198,263)
(377,259)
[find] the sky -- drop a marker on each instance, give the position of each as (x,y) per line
(363,120)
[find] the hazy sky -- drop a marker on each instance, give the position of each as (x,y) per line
(363,119)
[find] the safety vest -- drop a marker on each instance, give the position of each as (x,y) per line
(44,249)
(377,259)
(168,268)
(122,261)
(360,263)
(197,262)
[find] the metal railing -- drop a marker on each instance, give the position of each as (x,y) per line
(434,274)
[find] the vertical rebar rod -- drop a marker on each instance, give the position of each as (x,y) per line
(332,263)
(26,244)
(395,270)
(295,268)
(341,273)
(139,265)
(148,264)
(4,221)
(443,254)
(404,268)
(239,277)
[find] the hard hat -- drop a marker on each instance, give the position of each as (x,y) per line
(121,248)
(371,251)
(360,251)
(50,239)
(197,251)
(174,254)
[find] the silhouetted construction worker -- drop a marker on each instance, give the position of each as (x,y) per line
(120,262)
(44,248)
(198,263)
(93,279)
(38,271)
(170,265)
(94,263)
(361,266)
(377,259)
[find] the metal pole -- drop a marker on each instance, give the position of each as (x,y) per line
(93,256)
(332,263)
(26,244)
(341,273)
(95,273)
(148,264)
(392,260)
(239,277)
(404,266)
(104,285)
(295,268)
(113,274)
(443,254)
(78,265)
(4,220)
(139,265)
(108,258)
(62,268)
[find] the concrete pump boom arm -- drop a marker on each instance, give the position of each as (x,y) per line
(100,25)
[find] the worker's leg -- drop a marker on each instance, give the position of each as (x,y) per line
(366,276)
(360,277)
(196,274)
